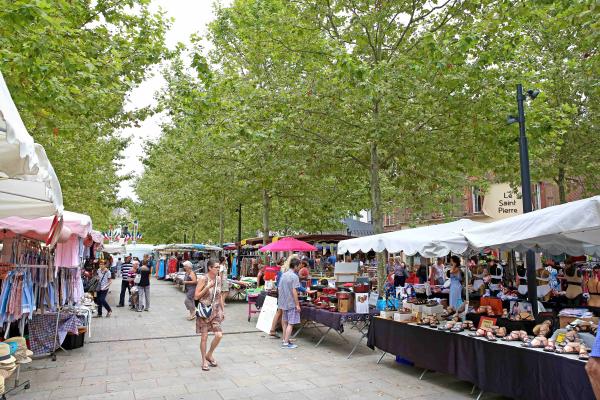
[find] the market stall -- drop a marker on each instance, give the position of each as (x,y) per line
(546,355)
(28,184)
(41,286)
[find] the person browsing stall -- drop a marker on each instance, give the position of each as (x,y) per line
(288,303)
(189,282)
(456,282)
(436,276)
(144,287)
(223,272)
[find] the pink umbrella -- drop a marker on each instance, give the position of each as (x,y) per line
(288,244)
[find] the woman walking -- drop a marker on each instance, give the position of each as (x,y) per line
(144,287)
(105,279)
(190,281)
(208,292)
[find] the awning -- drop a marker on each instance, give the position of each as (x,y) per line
(412,241)
(39,228)
(29,187)
(572,228)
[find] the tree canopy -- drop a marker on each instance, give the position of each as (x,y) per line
(69,67)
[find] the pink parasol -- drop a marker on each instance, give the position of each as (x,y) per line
(289,244)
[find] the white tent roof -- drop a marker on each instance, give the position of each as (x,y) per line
(29,187)
(572,228)
(412,241)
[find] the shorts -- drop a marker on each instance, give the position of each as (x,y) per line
(291,316)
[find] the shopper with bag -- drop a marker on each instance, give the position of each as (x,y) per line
(142,280)
(209,313)
(105,279)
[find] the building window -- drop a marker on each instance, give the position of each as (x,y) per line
(476,200)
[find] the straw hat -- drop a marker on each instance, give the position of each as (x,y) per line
(22,350)
(5,357)
(5,373)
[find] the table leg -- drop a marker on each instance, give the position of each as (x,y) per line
(480,394)
(342,336)
(302,325)
(423,374)
(381,358)
(473,389)
(323,337)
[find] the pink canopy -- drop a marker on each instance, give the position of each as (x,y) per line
(289,244)
(39,228)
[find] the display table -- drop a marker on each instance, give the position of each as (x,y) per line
(311,316)
(504,368)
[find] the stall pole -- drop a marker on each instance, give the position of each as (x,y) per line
(526,190)
(239,241)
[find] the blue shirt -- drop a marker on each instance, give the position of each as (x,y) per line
(596,349)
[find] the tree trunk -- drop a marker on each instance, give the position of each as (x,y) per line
(377,214)
(266,211)
(221,227)
(562,188)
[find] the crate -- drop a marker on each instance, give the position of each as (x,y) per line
(73,341)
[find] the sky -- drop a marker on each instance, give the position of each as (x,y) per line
(190,16)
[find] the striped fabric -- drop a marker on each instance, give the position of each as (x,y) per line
(125,268)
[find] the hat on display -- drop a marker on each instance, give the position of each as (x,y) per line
(5,357)
(22,353)
(5,373)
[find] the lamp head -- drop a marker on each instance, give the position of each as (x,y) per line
(511,119)
(533,93)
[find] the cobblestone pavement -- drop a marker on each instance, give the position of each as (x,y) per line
(155,355)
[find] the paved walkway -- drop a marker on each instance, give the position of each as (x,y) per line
(154,355)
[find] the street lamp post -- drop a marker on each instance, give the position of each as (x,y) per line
(239,239)
(526,191)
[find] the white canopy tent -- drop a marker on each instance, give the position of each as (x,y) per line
(29,187)
(412,241)
(572,228)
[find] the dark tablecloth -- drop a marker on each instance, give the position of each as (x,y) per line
(493,367)
(334,320)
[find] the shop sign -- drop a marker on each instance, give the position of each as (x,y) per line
(501,201)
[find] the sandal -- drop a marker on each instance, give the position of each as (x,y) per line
(550,348)
(583,353)
(479,333)
(490,337)
(458,327)
(513,336)
(501,332)
(205,368)
(212,363)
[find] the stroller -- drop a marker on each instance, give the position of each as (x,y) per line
(134,298)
